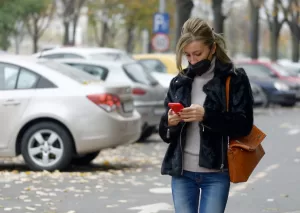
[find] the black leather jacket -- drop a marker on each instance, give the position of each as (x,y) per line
(217,125)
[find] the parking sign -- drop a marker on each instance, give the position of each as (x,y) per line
(161,23)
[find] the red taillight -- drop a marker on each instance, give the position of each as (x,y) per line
(138,91)
(108,102)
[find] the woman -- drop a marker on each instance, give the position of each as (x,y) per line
(198,135)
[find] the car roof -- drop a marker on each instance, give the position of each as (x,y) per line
(22,60)
(81,50)
(30,63)
(106,63)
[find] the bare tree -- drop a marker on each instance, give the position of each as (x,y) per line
(70,15)
(255,6)
(18,35)
(102,18)
(183,13)
(38,21)
(291,16)
(275,26)
(220,15)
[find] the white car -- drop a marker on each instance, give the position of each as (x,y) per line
(148,94)
(92,53)
(53,114)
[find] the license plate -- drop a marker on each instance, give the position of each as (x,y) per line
(128,107)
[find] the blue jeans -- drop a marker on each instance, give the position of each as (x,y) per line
(214,192)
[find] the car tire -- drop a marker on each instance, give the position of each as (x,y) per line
(85,159)
(47,146)
(266,100)
(147,132)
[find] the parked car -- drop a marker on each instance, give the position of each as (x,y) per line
(148,94)
(277,91)
(163,79)
(260,99)
(93,53)
(53,114)
(161,63)
(292,67)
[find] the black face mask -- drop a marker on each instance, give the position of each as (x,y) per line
(201,66)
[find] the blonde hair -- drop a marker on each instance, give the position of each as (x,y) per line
(195,29)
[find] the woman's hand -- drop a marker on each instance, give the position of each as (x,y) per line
(193,113)
(173,118)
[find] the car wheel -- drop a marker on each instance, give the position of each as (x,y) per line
(147,132)
(85,159)
(47,146)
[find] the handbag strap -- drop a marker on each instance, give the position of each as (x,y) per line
(227,92)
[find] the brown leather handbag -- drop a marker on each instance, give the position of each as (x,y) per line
(244,153)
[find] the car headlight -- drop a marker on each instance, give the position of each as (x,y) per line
(281,86)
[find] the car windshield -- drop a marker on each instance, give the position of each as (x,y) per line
(138,73)
(294,70)
(73,73)
(282,71)
(110,56)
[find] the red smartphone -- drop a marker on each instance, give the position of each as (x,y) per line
(176,107)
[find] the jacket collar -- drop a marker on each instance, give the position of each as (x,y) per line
(221,70)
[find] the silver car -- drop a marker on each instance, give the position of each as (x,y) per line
(53,114)
(92,53)
(148,94)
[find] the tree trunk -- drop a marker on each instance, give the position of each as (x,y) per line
(4,43)
(295,48)
(219,18)
(66,34)
(104,34)
(73,42)
(295,32)
(275,31)
(130,39)
(35,36)
(183,13)
(254,10)
(274,39)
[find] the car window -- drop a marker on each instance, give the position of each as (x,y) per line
(154,65)
(60,55)
(44,83)
(69,55)
(256,70)
(27,79)
(137,73)
(71,72)
(99,72)
(52,56)
(8,76)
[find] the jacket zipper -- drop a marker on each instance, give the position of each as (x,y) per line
(222,164)
(181,149)
(168,133)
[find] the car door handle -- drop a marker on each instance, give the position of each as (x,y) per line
(11,102)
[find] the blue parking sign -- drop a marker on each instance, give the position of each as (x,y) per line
(161,23)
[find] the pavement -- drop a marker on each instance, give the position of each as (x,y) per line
(127,179)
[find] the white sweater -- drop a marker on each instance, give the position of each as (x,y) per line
(192,146)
